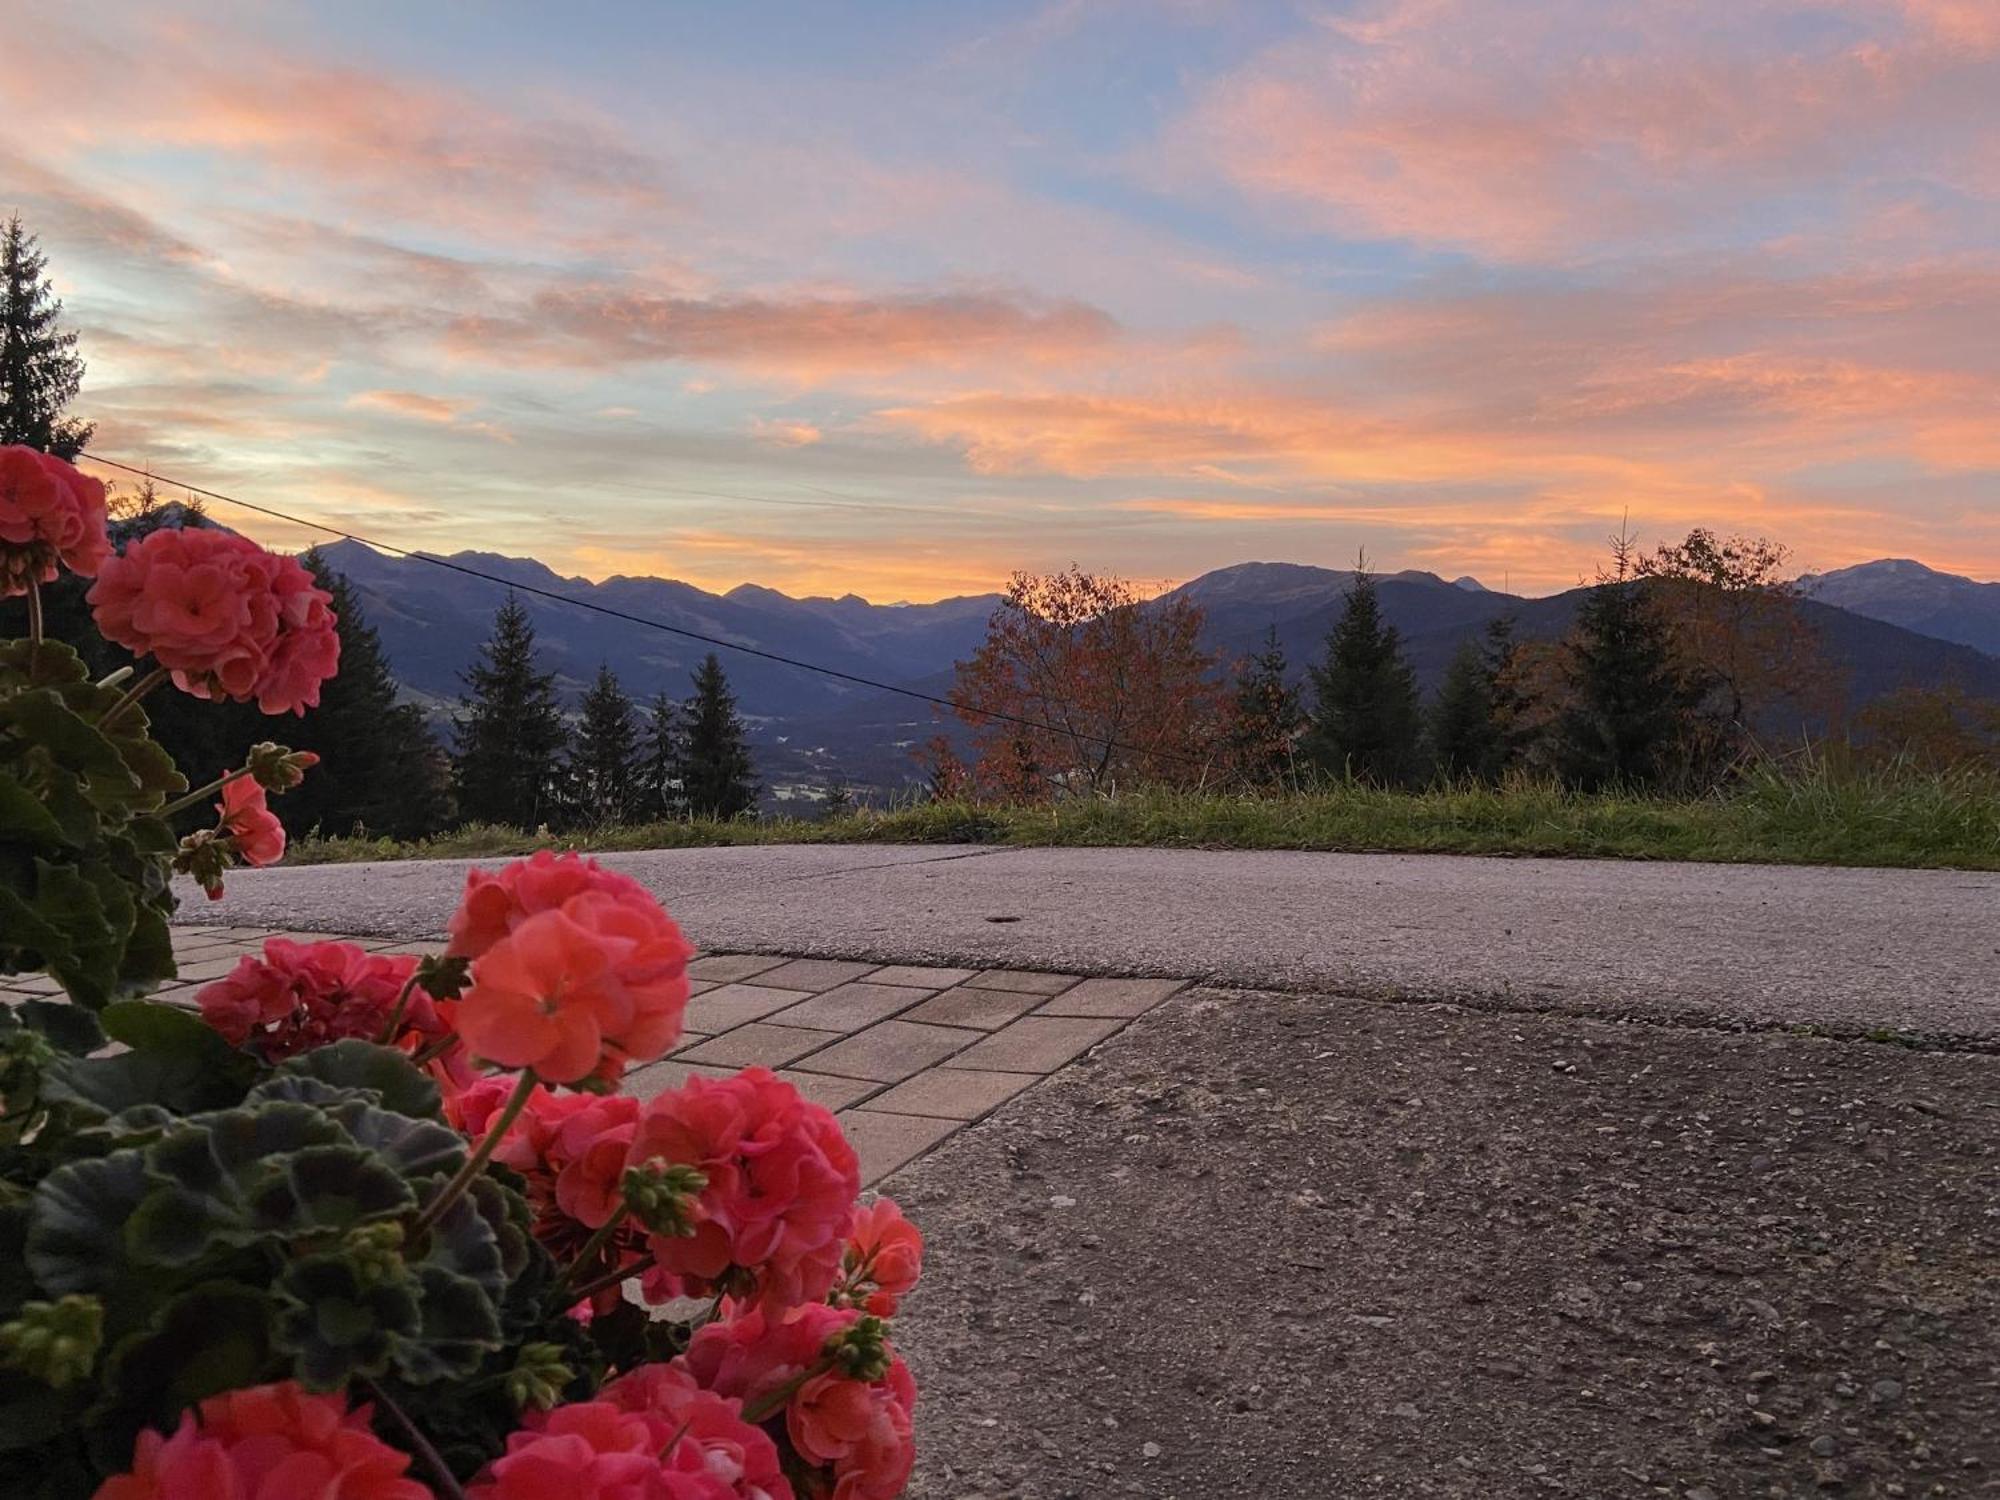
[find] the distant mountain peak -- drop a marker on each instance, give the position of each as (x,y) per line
(1470,584)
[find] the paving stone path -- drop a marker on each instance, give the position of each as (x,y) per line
(904,1054)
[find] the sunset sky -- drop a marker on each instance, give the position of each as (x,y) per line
(898,297)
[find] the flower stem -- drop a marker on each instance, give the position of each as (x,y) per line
(34,613)
(462,1178)
(395,1021)
(447,1482)
(436,1049)
(132,695)
(199,794)
(618,1277)
(774,1400)
(590,1248)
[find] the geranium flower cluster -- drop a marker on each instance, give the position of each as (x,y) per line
(227,618)
(303,995)
(736,1190)
(51,517)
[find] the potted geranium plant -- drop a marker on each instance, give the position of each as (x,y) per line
(370,1227)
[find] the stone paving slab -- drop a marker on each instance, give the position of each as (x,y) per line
(904,1054)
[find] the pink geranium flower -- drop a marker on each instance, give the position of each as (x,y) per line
(249,821)
(882,1261)
(226,617)
(495,903)
(303,995)
(51,517)
(600,1450)
(782,1181)
(263,1443)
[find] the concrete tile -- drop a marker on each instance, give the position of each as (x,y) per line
(890,1052)
(657,1078)
(201,968)
(849,1007)
(826,1090)
(886,1142)
(984,1010)
(757,1046)
(735,1005)
(921,976)
(951,1093)
(1035,1044)
(1123,998)
(814,974)
(1023,981)
(26,985)
(725,967)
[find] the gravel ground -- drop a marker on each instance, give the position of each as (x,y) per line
(1279,1245)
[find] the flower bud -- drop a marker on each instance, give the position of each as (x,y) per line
(538,1376)
(205,857)
(861,1351)
(444,978)
(662,1196)
(55,1342)
(376,1251)
(277,769)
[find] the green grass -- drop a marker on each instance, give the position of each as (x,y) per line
(1811,815)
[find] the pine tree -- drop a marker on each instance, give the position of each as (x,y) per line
(604,766)
(1365,723)
(1464,737)
(716,775)
(511,733)
(1627,698)
(660,764)
(1266,716)
(839,799)
(381,769)
(40,370)
(1510,701)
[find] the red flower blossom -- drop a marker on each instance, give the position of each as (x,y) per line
(857,1432)
(226,617)
(884,1257)
(598,1450)
(781,1187)
(303,995)
(270,1442)
(50,515)
(576,971)
(715,1438)
(246,818)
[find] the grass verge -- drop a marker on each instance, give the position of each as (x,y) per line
(1815,816)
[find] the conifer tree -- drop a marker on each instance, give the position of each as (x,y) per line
(604,766)
(716,775)
(839,798)
(40,370)
(511,733)
(660,763)
(1508,697)
(1463,735)
(1627,697)
(1265,718)
(381,769)
(1365,723)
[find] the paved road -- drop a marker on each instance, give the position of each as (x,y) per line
(1852,949)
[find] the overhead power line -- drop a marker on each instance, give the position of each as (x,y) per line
(642,620)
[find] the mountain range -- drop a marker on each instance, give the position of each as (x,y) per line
(1887,624)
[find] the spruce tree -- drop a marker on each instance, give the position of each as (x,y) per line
(1463,734)
(604,766)
(40,370)
(381,769)
(1366,722)
(1627,698)
(511,733)
(660,763)
(1510,701)
(716,775)
(1265,718)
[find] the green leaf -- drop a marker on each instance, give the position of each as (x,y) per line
(460,1328)
(69,1027)
(382,1072)
(211,1338)
(24,819)
(76,1226)
(339,1325)
(155,1026)
(40,717)
(149,951)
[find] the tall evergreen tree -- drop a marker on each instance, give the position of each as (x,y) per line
(40,370)
(660,763)
(511,733)
(716,775)
(1464,737)
(1366,722)
(604,765)
(1266,716)
(1627,697)
(1507,697)
(381,769)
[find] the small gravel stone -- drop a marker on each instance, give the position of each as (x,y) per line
(1823,1446)
(1887,1390)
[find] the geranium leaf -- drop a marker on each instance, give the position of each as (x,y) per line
(25,820)
(211,1338)
(69,1027)
(338,1324)
(76,1226)
(460,1328)
(395,1082)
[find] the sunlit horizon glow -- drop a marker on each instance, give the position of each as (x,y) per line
(897,299)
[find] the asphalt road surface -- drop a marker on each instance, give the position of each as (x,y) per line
(1847,950)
